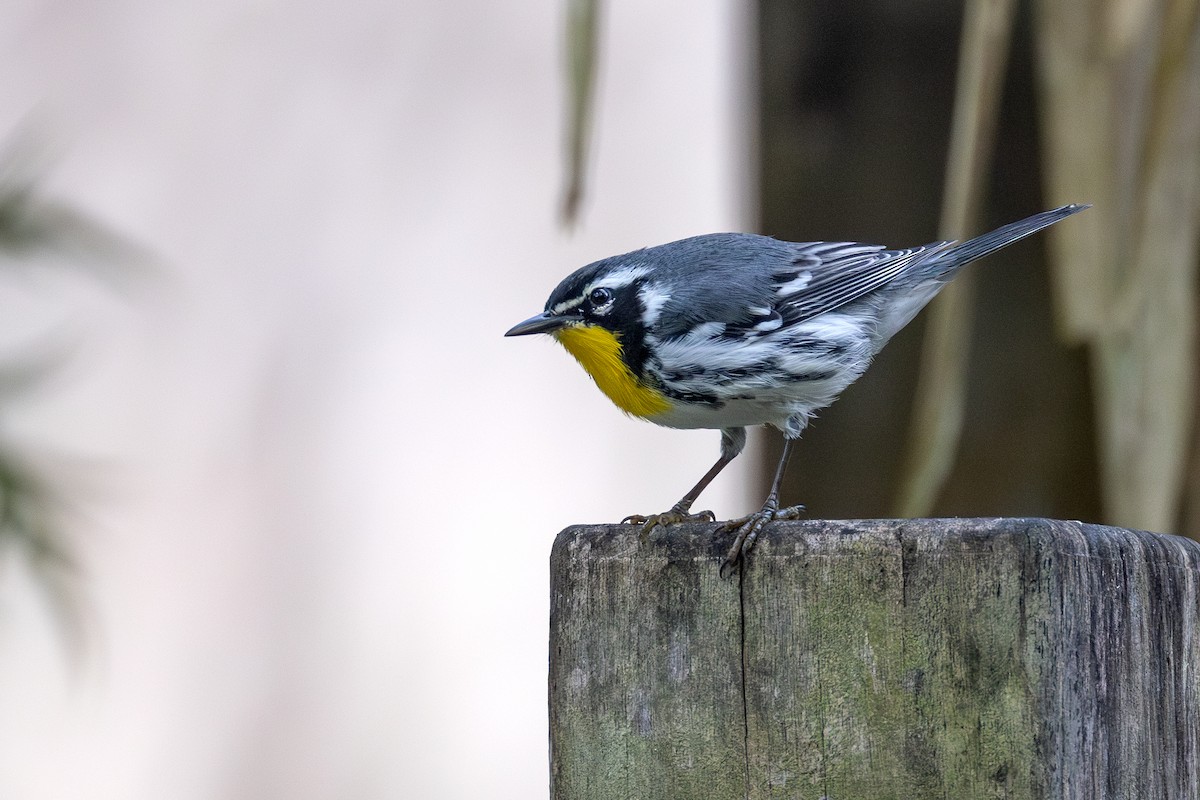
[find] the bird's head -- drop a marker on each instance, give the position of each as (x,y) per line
(606,294)
(599,314)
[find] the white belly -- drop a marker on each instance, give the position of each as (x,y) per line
(733,414)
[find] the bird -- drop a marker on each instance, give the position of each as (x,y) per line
(729,330)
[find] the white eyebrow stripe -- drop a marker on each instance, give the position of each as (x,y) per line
(620,278)
(566,305)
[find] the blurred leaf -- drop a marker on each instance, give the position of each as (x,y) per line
(940,400)
(24,499)
(28,508)
(582,53)
(31,223)
(22,375)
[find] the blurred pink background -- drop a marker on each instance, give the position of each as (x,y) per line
(313,489)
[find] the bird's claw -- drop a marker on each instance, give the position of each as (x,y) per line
(749,527)
(676,515)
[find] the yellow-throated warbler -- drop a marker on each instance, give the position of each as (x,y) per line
(733,329)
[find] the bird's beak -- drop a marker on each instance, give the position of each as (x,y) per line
(542,323)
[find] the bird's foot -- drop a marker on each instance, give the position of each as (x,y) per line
(678,513)
(748,528)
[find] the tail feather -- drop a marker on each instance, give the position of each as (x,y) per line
(980,246)
(946,259)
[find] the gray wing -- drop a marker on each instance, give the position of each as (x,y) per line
(823,276)
(746,282)
(749,283)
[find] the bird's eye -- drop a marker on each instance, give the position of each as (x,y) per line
(600,297)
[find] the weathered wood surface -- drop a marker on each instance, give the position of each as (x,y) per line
(994,658)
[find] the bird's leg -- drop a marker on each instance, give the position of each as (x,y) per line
(681,511)
(732,442)
(750,526)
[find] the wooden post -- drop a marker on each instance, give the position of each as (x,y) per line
(990,658)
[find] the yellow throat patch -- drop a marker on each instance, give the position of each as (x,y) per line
(598,350)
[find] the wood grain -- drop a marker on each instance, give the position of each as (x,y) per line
(995,658)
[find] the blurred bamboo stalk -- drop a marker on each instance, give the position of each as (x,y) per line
(940,399)
(1120,85)
(582,51)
